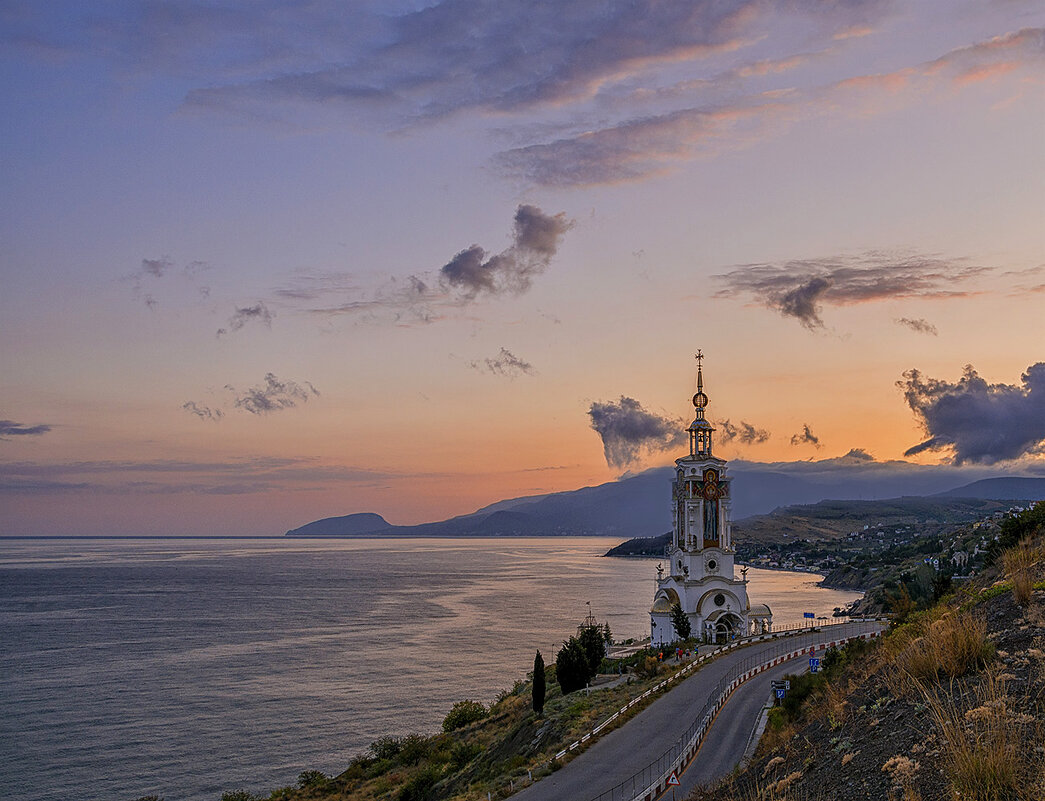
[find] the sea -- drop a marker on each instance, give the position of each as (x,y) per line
(185,668)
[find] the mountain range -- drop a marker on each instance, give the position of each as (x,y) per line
(640,505)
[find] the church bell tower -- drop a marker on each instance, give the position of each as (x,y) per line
(700,576)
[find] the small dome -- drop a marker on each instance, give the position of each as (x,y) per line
(759,610)
(700,400)
(662,604)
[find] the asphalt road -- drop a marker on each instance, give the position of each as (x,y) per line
(724,744)
(618,756)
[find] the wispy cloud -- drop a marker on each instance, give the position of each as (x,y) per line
(273,395)
(168,476)
(644,145)
(799,289)
(977,421)
(259,312)
(453,56)
(806,437)
(203,412)
(629,431)
(505,364)
(743,432)
(146,279)
(9,428)
(919,325)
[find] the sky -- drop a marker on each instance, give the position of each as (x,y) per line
(266,262)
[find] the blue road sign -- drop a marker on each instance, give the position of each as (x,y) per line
(809,614)
(814,664)
(780,693)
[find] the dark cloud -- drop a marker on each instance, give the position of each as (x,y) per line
(982,423)
(258,312)
(9,428)
(203,412)
(156,267)
(536,241)
(919,325)
(805,437)
(505,363)
(628,431)
(800,288)
(273,396)
(743,432)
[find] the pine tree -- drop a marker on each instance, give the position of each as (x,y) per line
(538,683)
(680,622)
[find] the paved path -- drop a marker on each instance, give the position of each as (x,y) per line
(618,756)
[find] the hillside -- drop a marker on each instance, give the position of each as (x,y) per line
(639,505)
(947,706)
(833,520)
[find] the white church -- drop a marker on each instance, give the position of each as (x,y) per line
(700,575)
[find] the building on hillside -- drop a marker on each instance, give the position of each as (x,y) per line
(700,575)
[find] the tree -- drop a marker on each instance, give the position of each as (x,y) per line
(538,683)
(593,641)
(571,666)
(681,622)
(607,634)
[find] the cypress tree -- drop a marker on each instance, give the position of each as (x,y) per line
(538,683)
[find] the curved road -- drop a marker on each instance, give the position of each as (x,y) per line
(616,757)
(729,736)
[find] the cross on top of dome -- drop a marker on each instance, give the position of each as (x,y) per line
(700,400)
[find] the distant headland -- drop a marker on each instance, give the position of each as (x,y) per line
(635,506)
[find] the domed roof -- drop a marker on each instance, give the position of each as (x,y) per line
(662,604)
(760,610)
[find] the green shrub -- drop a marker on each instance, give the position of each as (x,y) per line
(240,795)
(462,714)
(386,747)
(421,786)
(463,753)
(311,778)
(413,748)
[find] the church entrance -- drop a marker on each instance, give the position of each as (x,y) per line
(724,626)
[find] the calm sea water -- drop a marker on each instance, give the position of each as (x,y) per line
(184,668)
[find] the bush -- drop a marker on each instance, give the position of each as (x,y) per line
(462,714)
(413,748)
(649,667)
(240,795)
(386,747)
(952,645)
(1018,562)
(420,787)
(311,778)
(463,753)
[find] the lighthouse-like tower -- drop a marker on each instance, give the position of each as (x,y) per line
(700,557)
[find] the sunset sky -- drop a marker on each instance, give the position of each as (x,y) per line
(265,262)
